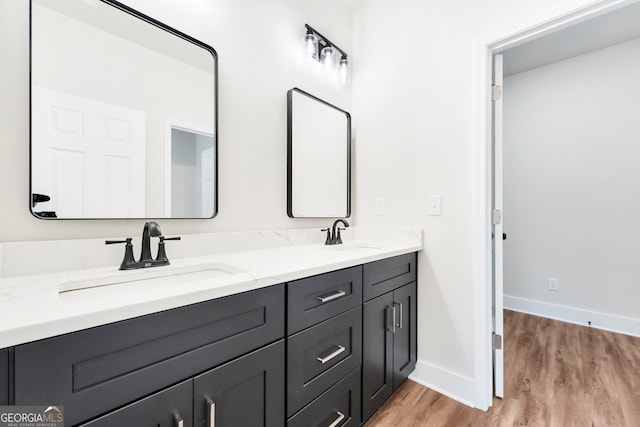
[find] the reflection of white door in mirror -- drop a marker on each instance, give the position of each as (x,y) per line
(189,190)
(88,156)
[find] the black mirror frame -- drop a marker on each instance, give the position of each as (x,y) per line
(149,20)
(290,152)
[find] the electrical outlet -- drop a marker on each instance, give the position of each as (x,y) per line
(553,284)
(381,206)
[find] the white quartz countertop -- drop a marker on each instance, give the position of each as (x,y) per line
(39,306)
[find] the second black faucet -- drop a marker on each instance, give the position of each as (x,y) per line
(333,234)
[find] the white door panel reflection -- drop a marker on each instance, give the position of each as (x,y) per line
(89,156)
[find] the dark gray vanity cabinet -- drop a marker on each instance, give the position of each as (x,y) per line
(248,391)
(4,376)
(93,371)
(324,348)
(389,330)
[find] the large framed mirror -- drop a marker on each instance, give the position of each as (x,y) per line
(318,158)
(123,115)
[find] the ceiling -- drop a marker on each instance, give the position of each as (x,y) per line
(597,33)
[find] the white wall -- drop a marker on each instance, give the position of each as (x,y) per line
(571,174)
(416,116)
(259,48)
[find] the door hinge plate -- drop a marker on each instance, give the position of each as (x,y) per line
(496,341)
(496,92)
(496,216)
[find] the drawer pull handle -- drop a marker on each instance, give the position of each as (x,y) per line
(211,415)
(398,324)
(335,353)
(335,295)
(338,420)
(179,421)
(392,329)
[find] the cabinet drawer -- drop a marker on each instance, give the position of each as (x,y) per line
(92,371)
(248,391)
(383,276)
(339,406)
(169,408)
(4,376)
(315,299)
(320,356)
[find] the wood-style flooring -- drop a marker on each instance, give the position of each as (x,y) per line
(556,374)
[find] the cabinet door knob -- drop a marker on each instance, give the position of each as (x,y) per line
(337,420)
(331,355)
(335,295)
(211,414)
(179,421)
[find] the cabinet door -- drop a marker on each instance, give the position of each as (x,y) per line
(246,392)
(377,353)
(169,408)
(4,376)
(405,336)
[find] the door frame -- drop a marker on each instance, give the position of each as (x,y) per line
(483,184)
(169,124)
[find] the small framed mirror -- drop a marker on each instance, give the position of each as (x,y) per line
(123,115)
(318,158)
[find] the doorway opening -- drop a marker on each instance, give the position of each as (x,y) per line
(190,173)
(490,295)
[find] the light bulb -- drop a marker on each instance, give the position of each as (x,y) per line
(327,57)
(344,70)
(311,45)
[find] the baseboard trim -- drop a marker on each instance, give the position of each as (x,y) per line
(604,321)
(450,384)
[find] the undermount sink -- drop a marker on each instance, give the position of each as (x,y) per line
(211,270)
(354,246)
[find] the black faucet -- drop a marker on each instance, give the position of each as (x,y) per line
(151,229)
(333,234)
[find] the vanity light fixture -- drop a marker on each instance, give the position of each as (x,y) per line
(321,49)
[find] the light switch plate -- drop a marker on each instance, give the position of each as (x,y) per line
(381,206)
(435,205)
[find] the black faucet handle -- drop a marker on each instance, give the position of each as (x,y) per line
(328,240)
(161,258)
(338,237)
(113,242)
(128,259)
